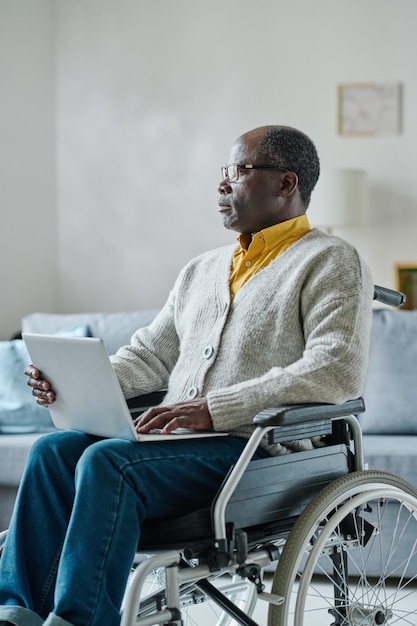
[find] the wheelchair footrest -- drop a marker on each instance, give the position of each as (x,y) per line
(271,598)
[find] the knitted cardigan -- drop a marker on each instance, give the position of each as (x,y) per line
(297,332)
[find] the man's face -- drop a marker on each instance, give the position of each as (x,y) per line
(251,203)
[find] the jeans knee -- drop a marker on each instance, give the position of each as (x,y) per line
(106,461)
(96,457)
(56,448)
(44,447)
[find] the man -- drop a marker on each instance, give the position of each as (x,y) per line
(284,317)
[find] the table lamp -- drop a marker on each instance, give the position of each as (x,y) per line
(339,199)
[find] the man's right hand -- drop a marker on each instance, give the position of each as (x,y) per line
(41,389)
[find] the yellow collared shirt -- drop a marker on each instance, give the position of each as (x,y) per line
(255,253)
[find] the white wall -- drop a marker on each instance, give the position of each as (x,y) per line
(28,278)
(150,96)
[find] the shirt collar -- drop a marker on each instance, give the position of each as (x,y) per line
(278,233)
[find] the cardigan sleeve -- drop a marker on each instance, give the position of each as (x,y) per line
(145,365)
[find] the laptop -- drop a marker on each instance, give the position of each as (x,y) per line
(88,395)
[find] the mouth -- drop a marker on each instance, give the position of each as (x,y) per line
(224,205)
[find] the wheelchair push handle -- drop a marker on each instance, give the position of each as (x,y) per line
(389,296)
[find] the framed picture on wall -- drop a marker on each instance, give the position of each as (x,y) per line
(406,281)
(369,109)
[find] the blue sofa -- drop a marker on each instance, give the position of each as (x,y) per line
(389,424)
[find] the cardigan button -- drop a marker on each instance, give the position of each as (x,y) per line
(192,393)
(208,351)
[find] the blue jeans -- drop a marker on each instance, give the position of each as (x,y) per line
(78,514)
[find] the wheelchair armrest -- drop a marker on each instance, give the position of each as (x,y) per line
(139,404)
(301,413)
(389,296)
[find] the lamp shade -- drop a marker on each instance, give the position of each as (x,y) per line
(340,198)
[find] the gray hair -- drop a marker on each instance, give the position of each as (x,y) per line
(289,148)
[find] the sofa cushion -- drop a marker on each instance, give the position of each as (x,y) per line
(14,450)
(390,392)
(115,329)
(395,454)
(19,413)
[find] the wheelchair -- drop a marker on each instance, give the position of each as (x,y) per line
(328,531)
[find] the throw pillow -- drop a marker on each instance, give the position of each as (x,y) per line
(19,412)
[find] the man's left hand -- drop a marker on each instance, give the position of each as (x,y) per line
(192,414)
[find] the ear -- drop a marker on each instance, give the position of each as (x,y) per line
(289,183)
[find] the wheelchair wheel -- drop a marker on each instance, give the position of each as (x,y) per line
(356,525)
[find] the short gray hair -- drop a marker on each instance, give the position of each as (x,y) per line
(290,148)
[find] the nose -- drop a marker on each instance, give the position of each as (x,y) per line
(224,187)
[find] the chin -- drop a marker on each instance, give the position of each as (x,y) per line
(233,227)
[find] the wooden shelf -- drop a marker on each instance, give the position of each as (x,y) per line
(406,281)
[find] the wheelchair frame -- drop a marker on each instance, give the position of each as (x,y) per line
(244,549)
(236,552)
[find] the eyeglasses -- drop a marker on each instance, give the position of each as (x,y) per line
(231,172)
